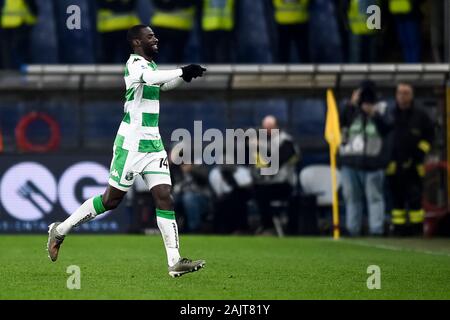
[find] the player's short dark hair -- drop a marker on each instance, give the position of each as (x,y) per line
(134,33)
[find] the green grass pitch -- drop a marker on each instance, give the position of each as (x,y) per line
(134,267)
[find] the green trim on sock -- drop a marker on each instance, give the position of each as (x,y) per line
(98,205)
(168,214)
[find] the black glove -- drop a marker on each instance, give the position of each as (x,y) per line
(192,71)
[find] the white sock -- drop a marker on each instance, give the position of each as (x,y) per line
(86,212)
(169,232)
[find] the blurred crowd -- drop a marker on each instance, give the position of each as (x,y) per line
(236,198)
(220,31)
(381,176)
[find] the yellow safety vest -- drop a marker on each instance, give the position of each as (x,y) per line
(358,19)
(218,15)
(16,13)
(291,12)
(108,21)
(400,6)
(182,19)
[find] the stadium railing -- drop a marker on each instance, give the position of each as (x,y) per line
(234,77)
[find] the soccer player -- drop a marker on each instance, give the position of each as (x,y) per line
(138,150)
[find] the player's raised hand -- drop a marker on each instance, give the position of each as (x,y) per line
(192,71)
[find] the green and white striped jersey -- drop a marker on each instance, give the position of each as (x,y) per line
(139,130)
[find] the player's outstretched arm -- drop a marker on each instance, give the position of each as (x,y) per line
(172,84)
(159,77)
(192,71)
(189,72)
(171,77)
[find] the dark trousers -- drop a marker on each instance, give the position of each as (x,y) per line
(297,35)
(265,194)
(217,46)
(408,31)
(231,214)
(114,47)
(172,44)
(15,47)
(406,188)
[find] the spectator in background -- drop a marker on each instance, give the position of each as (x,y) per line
(192,195)
(280,186)
(292,20)
(412,138)
(407,20)
(114,18)
(17,20)
(173,21)
(363,156)
(361,40)
(218,23)
(232,189)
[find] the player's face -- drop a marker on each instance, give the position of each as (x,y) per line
(149,42)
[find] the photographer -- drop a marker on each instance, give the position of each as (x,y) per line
(363,155)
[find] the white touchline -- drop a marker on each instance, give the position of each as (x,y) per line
(388,247)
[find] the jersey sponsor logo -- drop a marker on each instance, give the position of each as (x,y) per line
(114,173)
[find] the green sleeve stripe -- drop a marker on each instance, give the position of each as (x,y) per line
(150,119)
(150,93)
(150,145)
(98,205)
(168,214)
(126,118)
(119,140)
(129,94)
(156,172)
(127,73)
(153,65)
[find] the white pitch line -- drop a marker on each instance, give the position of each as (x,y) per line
(389,247)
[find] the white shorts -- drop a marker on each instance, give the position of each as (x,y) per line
(126,165)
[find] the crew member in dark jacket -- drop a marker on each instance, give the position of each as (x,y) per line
(412,138)
(363,157)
